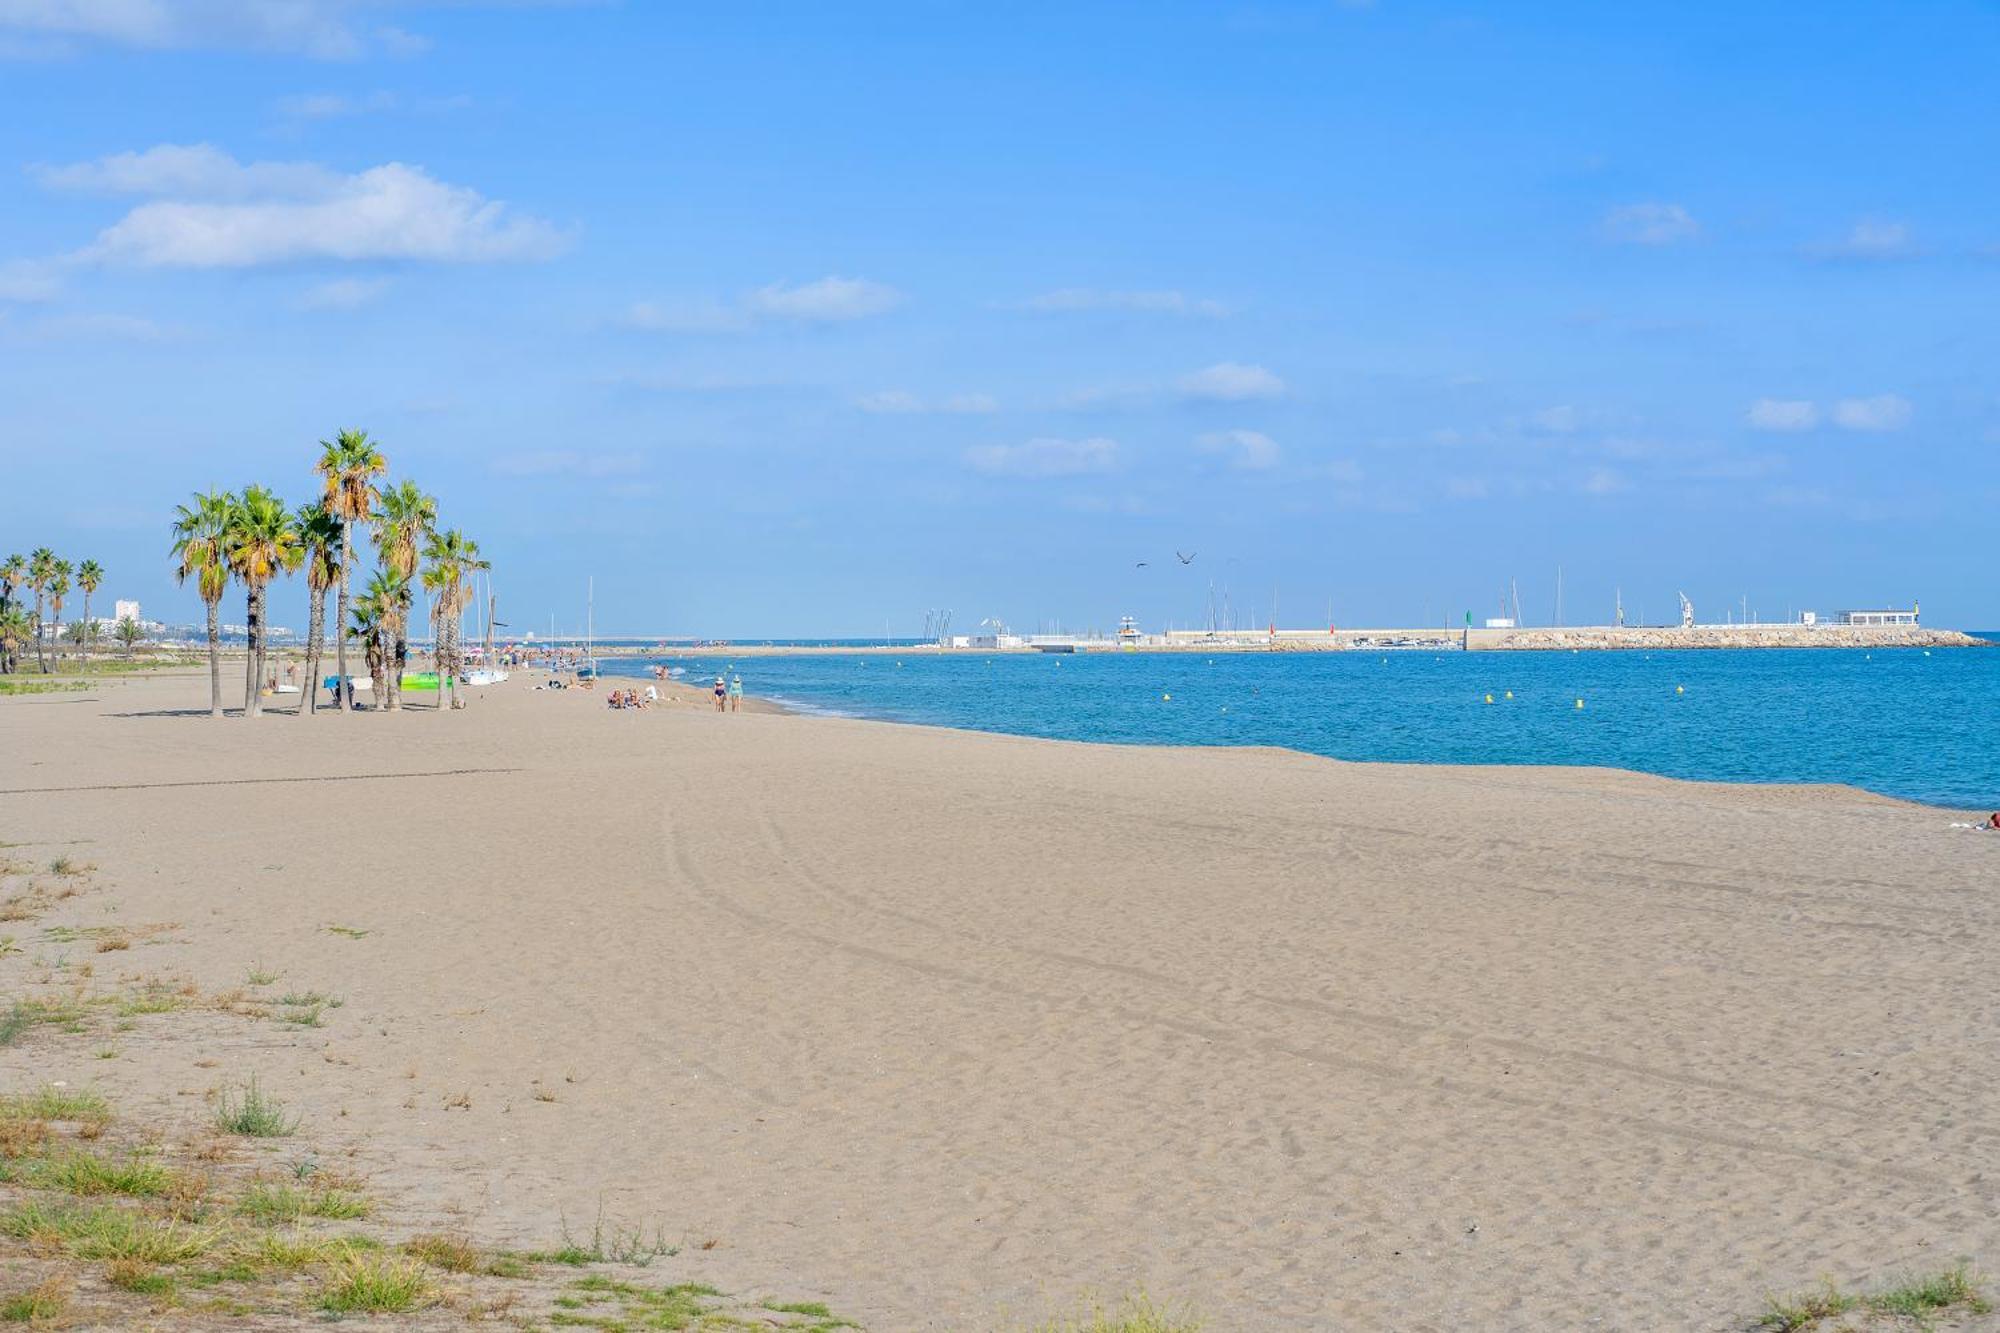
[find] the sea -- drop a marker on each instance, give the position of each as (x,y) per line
(1923,725)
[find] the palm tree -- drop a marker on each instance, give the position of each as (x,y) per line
(13,571)
(41,568)
(89,575)
(198,552)
(14,632)
(349,462)
(374,616)
(59,575)
(452,557)
(129,634)
(261,544)
(320,538)
(403,518)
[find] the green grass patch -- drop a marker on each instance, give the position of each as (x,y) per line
(454,1254)
(12,685)
(1915,1298)
(104,1232)
(297,1249)
(373,1284)
(90,1174)
(67,1012)
(140,1279)
(45,1303)
(254,1114)
(271,1204)
(53,1103)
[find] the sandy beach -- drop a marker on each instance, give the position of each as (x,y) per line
(946,1029)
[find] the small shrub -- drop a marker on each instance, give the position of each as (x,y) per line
(254,1114)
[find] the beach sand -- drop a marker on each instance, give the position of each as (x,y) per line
(945,1028)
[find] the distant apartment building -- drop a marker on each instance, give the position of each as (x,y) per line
(125,610)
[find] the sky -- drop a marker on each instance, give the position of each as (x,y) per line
(805,319)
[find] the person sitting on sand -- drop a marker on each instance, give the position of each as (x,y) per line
(614,700)
(1994,823)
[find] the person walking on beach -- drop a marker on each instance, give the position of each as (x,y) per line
(736,694)
(721,695)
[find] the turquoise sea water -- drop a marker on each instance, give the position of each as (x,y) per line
(1900,721)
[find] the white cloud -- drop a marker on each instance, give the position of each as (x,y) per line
(569,462)
(1562,420)
(1229,382)
(890,402)
(98,328)
(317,28)
(1871,239)
(829,300)
(26,280)
(328,106)
(1783,414)
(900,401)
(1071,299)
(1651,224)
(1044,458)
(343,294)
(1249,450)
(200,171)
(1339,471)
(320,29)
(1605,481)
(695,317)
(210,211)
(1884,412)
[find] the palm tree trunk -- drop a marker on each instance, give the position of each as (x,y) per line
(316,614)
(253,652)
(399,653)
(447,665)
(340,614)
(214,659)
(40,660)
(86,630)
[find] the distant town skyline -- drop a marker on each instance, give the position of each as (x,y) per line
(805,322)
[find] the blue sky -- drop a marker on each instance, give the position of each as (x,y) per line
(805,318)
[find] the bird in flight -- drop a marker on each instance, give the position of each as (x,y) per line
(1140,565)
(1187,559)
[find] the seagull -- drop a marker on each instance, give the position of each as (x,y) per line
(1140,565)
(1187,559)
